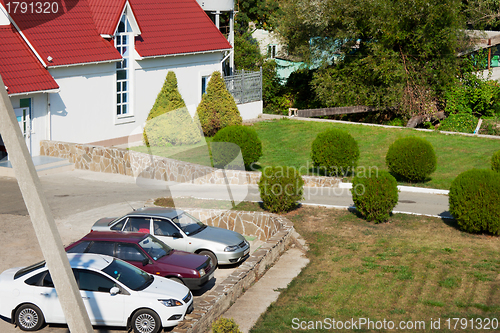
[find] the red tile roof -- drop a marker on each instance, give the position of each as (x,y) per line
(20,69)
(69,36)
(174,27)
(106,14)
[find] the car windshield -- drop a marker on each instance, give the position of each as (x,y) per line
(189,224)
(155,248)
(131,276)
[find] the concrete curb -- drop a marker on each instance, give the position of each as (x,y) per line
(407,189)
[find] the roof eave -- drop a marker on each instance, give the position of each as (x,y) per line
(85,63)
(182,54)
(48,91)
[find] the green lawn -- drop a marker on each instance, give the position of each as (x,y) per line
(288,142)
(411,269)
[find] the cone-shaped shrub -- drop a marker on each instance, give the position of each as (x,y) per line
(412,158)
(375,195)
(495,161)
(335,152)
(176,128)
(475,201)
(217,108)
(244,137)
(280,188)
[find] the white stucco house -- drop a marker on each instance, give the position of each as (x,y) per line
(89,71)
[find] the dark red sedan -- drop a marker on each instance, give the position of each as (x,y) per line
(149,254)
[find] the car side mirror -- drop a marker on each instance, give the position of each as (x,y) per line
(145,261)
(114,291)
(176,235)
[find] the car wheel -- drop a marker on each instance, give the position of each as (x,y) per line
(29,317)
(176,280)
(146,321)
(213,258)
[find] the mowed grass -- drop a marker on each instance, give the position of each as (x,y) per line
(412,269)
(288,143)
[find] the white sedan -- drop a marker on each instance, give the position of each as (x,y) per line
(114,292)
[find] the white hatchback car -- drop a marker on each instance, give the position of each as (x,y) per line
(114,292)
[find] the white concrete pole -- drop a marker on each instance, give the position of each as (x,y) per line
(42,219)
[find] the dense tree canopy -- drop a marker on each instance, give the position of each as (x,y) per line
(397,54)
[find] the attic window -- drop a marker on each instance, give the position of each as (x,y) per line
(124,25)
(124,45)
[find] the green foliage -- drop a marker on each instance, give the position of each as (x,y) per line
(471,93)
(168,99)
(391,54)
(280,188)
(247,52)
(375,196)
(260,12)
(245,139)
(412,158)
(459,122)
(474,200)
(495,161)
(171,129)
(274,95)
(217,108)
(335,152)
(224,325)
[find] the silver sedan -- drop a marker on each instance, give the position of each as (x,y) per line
(181,231)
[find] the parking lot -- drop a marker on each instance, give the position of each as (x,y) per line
(77,199)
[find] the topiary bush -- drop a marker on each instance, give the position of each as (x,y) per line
(495,161)
(335,152)
(459,122)
(172,129)
(224,325)
(411,158)
(246,140)
(280,188)
(474,201)
(375,195)
(168,99)
(217,108)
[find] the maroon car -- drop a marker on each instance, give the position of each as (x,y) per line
(149,254)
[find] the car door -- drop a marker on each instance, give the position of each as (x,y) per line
(102,307)
(138,224)
(132,254)
(44,295)
(168,233)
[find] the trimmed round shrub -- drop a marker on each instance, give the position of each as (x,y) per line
(459,122)
(335,152)
(224,325)
(474,200)
(280,188)
(244,139)
(495,161)
(173,128)
(375,195)
(411,158)
(217,108)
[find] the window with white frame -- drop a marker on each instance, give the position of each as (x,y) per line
(204,84)
(272,51)
(124,44)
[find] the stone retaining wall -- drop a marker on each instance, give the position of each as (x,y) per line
(275,230)
(136,164)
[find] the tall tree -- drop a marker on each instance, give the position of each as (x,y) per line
(398,54)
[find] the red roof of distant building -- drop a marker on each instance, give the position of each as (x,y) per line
(68,36)
(174,27)
(20,69)
(106,14)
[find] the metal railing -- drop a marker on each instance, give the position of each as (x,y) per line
(245,86)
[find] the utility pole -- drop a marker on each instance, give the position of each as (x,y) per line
(42,219)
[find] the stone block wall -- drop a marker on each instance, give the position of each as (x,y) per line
(136,164)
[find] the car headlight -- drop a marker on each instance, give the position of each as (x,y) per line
(231,248)
(170,302)
(201,272)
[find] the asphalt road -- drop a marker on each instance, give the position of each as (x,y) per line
(78,198)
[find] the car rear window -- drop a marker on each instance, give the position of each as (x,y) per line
(29,269)
(79,248)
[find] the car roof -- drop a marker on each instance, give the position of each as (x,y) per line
(89,260)
(157,211)
(115,236)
